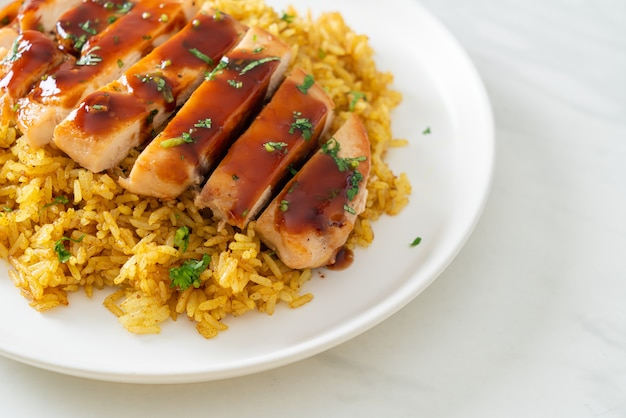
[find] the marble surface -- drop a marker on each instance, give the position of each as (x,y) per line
(530,318)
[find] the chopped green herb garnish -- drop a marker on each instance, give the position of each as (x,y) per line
(217,15)
(201,56)
(355,179)
(90,58)
(349,209)
(150,118)
(284,205)
(426,131)
(219,67)
(292,170)
(304,124)
(15,52)
(111,19)
(203,123)
(195,23)
(235,177)
(185,138)
(59,248)
(125,7)
(332,148)
(416,242)
(120,63)
(161,83)
(272,146)
(321,54)
(79,42)
(58,200)
(307,83)
(181,238)
(163,18)
(188,274)
(258,49)
(86,26)
(235,84)
(98,108)
(256,63)
(356,96)
(287,17)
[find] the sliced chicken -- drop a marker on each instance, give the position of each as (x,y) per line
(104,58)
(31,55)
(111,121)
(42,15)
(311,218)
(76,25)
(283,133)
(194,140)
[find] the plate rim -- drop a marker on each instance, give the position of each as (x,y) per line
(355,326)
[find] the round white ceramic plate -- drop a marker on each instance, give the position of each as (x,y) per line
(450,170)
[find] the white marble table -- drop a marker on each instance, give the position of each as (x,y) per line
(529,320)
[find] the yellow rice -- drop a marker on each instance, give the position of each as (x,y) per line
(125,243)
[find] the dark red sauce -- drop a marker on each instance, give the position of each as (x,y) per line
(159,88)
(228,106)
(315,198)
(131,32)
(99,111)
(343,260)
(85,20)
(34,53)
(274,124)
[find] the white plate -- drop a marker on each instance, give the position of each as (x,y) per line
(450,170)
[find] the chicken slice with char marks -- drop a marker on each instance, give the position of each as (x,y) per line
(311,218)
(281,136)
(197,137)
(111,121)
(104,58)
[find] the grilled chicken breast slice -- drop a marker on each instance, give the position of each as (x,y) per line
(42,15)
(31,55)
(280,137)
(103,59)
(311,218)
(90,17)
(111,121)
(194,140)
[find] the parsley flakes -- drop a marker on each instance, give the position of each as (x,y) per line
(304,124)
(188,274)
(331,148)
(59,248)
(307,83)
